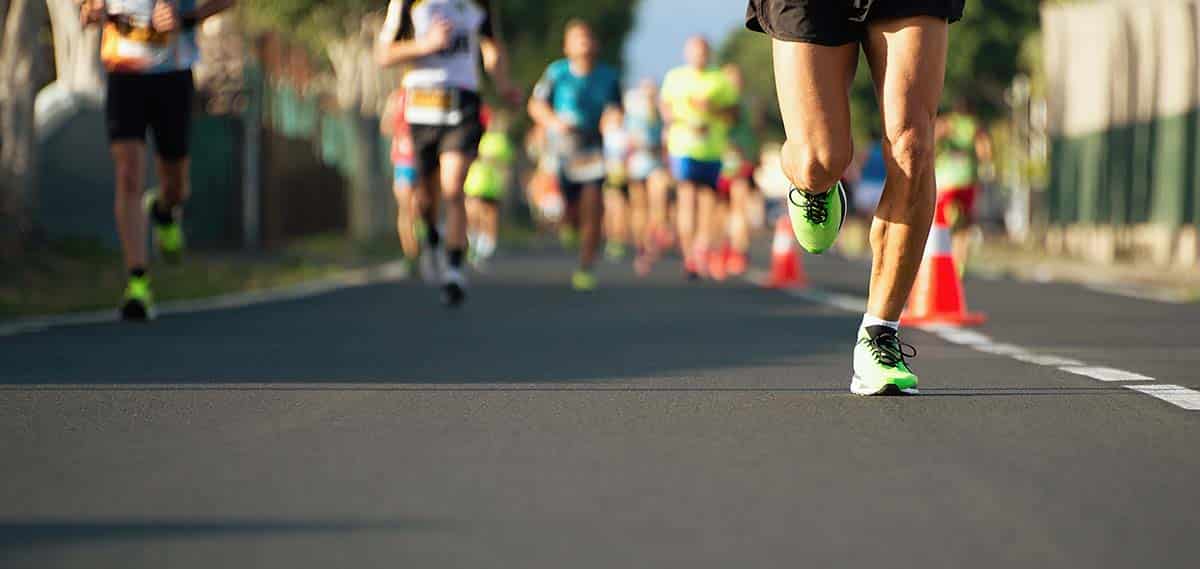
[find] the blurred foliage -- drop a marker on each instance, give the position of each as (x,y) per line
(991,44)
(531,28)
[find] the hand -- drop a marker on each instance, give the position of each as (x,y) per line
(165,18)
(91,12)
(438,37)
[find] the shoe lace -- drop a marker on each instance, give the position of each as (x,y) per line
(815,209)
(888,350)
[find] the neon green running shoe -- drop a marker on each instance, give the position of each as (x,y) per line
(881,366)
(138,305)
(584,281)
(817,218)
(615,252)
(167,236)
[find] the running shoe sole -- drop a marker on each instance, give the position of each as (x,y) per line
(860,387)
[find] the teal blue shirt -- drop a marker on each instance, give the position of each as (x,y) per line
(580,100)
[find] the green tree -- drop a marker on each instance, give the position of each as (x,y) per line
(531,28)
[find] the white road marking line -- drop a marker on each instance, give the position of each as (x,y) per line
(1044,360)
(1010,350)
(1106,373)
(1179,396)
(358,277)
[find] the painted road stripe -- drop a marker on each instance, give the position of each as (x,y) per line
(1179,396)
(1106,373)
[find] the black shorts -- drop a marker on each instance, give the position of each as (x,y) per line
(838,22)
(430,142)
(161,102)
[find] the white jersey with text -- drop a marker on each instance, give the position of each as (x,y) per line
(457,66)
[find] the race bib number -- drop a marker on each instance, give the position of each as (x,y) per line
(433,106)
(129,47)
(587,166)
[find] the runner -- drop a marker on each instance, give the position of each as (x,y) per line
(441,43)
(697,104)
(570,101)
(149,49)
(816,50)
(737,183)
(617,224)
(649,183)
(486,186)
(404,178)
(961,147)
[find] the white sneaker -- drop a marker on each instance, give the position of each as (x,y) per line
(433,264)
(454,287)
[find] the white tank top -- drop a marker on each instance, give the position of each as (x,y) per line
(458,65)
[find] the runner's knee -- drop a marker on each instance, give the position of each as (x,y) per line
(910,146)
(815,167)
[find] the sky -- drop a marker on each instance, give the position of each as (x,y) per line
(656,44)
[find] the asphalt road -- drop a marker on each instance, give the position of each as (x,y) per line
(651,424)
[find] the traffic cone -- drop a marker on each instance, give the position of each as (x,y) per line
(937,296)
(786,271)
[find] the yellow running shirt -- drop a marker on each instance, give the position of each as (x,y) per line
(695,133)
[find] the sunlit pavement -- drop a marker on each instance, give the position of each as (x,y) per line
(652,423)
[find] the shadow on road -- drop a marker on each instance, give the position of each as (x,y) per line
(22,533)
(518,328)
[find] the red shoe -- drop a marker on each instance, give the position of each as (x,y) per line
(691,269)
(716,265)
(736,264)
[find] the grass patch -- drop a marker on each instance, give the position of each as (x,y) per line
(71,276)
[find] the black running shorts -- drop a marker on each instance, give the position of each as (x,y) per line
(838,22)
(430,142)
(160,102)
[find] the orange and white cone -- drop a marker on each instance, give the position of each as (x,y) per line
(786,270)
(937,296)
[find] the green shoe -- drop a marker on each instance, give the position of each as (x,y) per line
(817,218)
(615,252)
(583,281)
(168,236)
(138,305)
(880,366)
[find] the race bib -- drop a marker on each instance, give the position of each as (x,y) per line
(131,46)
(585,166)
(433,106)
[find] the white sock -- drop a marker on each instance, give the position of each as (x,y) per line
(869,320)
(484,245)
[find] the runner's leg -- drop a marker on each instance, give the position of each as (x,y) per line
(739,211)
(453,172)
(638,215)
(129,159)
(591,217)
(908,62)
(174,180)
(685,217)
(813,85)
